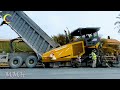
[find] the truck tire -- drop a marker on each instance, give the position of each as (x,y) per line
(31,61)
(16,62)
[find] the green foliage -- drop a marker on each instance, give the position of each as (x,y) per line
(60,38)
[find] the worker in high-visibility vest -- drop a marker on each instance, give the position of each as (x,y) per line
(94,58)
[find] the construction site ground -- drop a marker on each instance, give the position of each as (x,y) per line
(61,73)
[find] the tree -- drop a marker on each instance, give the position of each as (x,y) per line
(117,23)
(63,39)
(60,38)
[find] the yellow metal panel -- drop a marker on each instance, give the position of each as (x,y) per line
(78,49)
(64,53)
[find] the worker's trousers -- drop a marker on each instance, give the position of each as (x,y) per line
(94,63)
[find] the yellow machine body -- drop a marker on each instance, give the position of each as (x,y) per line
(65,52)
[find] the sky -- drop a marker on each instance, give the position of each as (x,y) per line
(55,22)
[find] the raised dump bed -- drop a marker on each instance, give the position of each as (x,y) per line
(30,32)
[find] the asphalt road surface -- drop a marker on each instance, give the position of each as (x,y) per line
(60,73)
